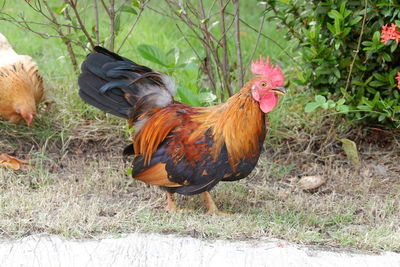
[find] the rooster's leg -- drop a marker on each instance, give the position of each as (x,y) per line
(170,202)
(212,208)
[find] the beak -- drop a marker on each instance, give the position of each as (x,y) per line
(280,90)
(29,119)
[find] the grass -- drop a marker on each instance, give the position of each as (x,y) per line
(78,187)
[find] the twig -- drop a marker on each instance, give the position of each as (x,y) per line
(134,24)
(67,42)
(96,29)
(237,43)
(205,40)
(35,22)
(78,18)
(224,44)
(111,15)
(207,61)
(188,42)
(269,38)
(161,13)
(69,46)
(257,42)
(105,7)
(358,46)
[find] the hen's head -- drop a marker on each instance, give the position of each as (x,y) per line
(267,85)
(27,111)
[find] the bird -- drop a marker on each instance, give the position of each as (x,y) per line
(181,148)
(21,85)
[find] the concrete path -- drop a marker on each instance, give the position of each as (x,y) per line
(160,250)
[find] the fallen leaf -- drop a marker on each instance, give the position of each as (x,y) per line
(310,183)
(10,162)
(350,148)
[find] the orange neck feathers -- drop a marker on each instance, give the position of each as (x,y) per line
(239,124)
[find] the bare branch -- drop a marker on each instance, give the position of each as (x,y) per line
(267,37)
(224,44)
(67,42)
(81,24)
(237,43)
(97,26)
(142,7)
(256,44)
(105,7)
(207,61)
(358,46)
(111,14)
(69,46)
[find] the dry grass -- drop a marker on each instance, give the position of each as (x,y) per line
(78,188)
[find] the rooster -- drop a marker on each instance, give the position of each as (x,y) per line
(21,85)
(183,149)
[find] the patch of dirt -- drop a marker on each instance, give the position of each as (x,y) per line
(80,188)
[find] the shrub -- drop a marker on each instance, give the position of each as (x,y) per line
(344,58)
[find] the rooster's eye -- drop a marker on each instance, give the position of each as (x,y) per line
(263,84)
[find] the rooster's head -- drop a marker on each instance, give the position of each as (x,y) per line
(267,85)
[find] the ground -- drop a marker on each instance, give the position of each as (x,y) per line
(79,188)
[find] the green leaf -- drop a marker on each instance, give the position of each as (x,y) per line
(60,10)
(325,105)
(377,83)
(310,107)
(334,14)
(117,23)
(367,43)
(350,148)
(376,38)
(129,171)
(341,101)
(188,97)
(393,47)
(320,99)
(336,72)
(207,97)
(343,108)
(342,8)
(380,77)
(355,20)
(338,29)
(346,31)
(386,56)
(364,107)
(128,9)
(346,13)
(136,3)
(331,103)
(331,28)
(153,54)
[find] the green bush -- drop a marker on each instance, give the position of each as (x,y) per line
(344,59)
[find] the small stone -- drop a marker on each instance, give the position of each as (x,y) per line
(310,183)
(380,170)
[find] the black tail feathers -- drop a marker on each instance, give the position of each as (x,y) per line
(116,85)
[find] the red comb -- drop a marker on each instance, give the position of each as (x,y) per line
(259,67)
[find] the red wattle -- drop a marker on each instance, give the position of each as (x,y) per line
(268,102)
